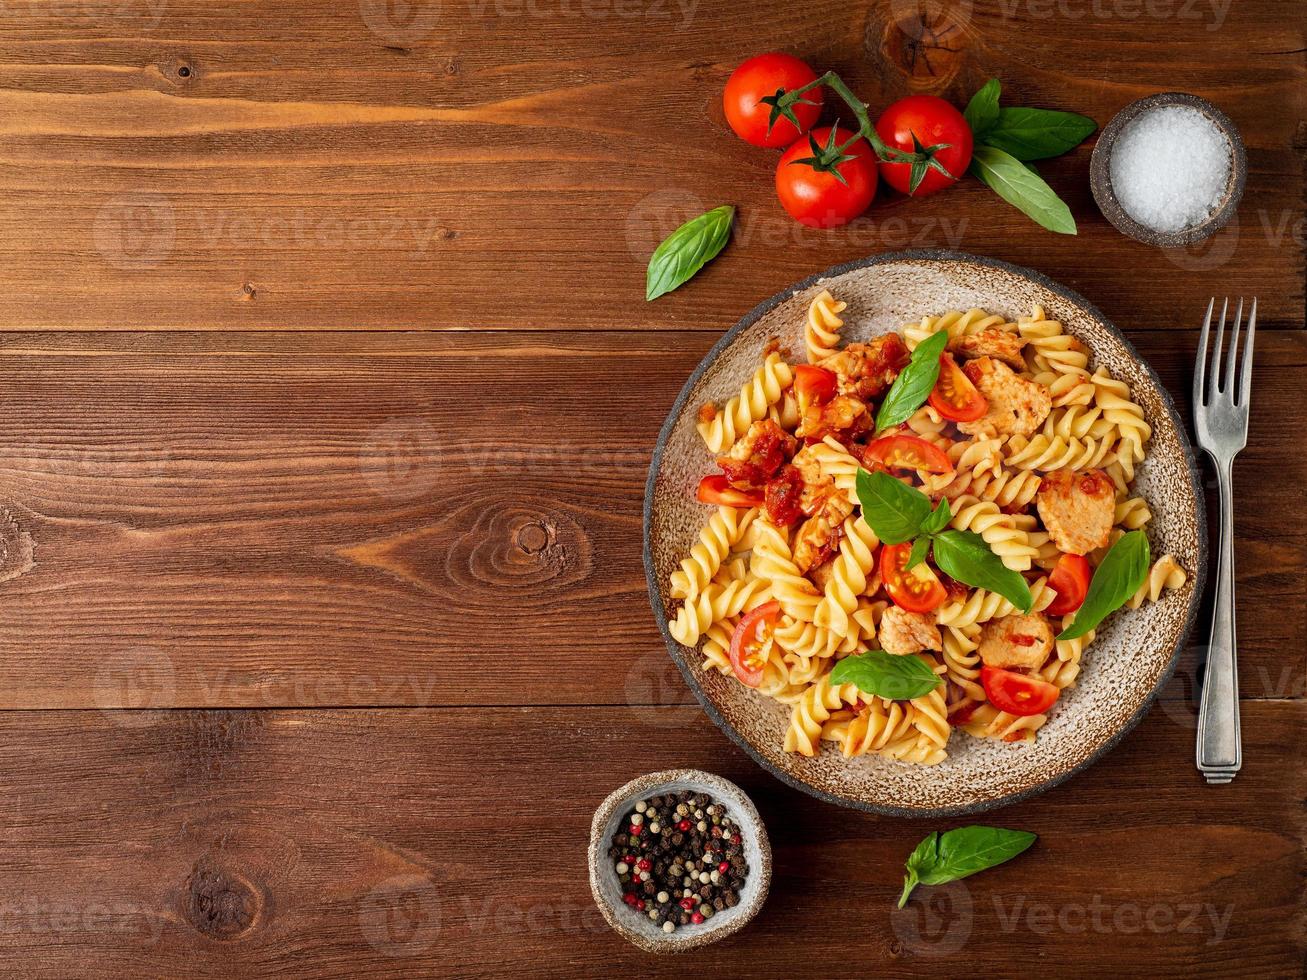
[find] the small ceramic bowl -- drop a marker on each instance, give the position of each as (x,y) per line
(1100,173)
(636,926)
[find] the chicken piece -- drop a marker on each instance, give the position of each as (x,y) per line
(817,486)
(908,632)
(758,455)
(819,536)
(1016,406)
(1016,641)
(842,415)
(998,344)
(867,370)
(1077,509)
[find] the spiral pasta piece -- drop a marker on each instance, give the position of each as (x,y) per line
(773,563)
(760,393)
(812,710)
(1164,575)
(873,728)
(717,539)
(713,603)
(1000,531)
(957,324)
(1057,453)
(1113,397)
(1132,513)
(849,573)
(821,334)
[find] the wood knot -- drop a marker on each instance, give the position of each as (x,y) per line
(518,546)
(926,40)
(220,903)
(17,551)
(533,537)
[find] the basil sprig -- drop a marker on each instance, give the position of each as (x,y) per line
(899,513)
(886,675)
(1008,138)
(954,854)
(1118,577)
(912,387)
(687,250)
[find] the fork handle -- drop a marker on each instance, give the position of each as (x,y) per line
(1219,751)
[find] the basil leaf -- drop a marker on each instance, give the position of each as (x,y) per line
(982,111)
(687,250)
(886,675)
(912,386)
(1116,579)
(1024,190)
(1037,134)
(960,853)
(919,860)
(891,508)
(918,553)
(938,519)
(965,556)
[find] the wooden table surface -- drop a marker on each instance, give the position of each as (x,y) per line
(329,390)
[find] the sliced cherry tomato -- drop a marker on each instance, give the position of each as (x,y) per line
(813,384)
(748,637)
(908,453)
(764,76)
(918,590)
(954,396)
(829,194)
(1017,694)
(933,122)
(1070,580)
(716,489)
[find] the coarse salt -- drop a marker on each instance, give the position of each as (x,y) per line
(1170,168)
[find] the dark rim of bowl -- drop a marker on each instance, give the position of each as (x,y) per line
(1100,173)
(674,648)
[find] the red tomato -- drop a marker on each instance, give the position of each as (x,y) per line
(954,396)
(933,121)
(918,590)
(813,384)
(815,196)
(745,641)
(769,75)
(1017,694)
(1070,580)
(716,489)
(907,453)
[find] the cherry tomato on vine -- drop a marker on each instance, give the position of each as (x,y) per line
(820,186)
(768,75)
(933,122)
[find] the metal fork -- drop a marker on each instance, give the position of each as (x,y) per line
(1221,424)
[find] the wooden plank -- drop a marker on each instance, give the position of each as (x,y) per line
(420,843)
(180,166)
(256,520)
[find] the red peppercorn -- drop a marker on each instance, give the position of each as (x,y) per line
(629,898)
(639,905)
(697,918)
(683,826)
(735,838)
(636,829)
(644,864)
(687,903)
(724,867)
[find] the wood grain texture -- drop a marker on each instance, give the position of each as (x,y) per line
(479,163)
(262,520)
(405,843)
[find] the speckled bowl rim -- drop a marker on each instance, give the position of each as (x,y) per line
(1100,173)
(750,822)
(674,649)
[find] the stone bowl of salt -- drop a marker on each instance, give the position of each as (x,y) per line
(1169,170)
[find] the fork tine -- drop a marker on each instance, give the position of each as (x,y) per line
(1228,377)
(1200,362)
(1216,350)
(1246,365)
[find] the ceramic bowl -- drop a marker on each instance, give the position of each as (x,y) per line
(1135,651)
(635,926)
(1100,173)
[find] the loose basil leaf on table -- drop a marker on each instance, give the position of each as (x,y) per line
(913,385)
(892,509)
(954,854)
(965,556)
(1025,190)
(1116,579)
(886,675)
(982,111)
(1037,134)
(687,250)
